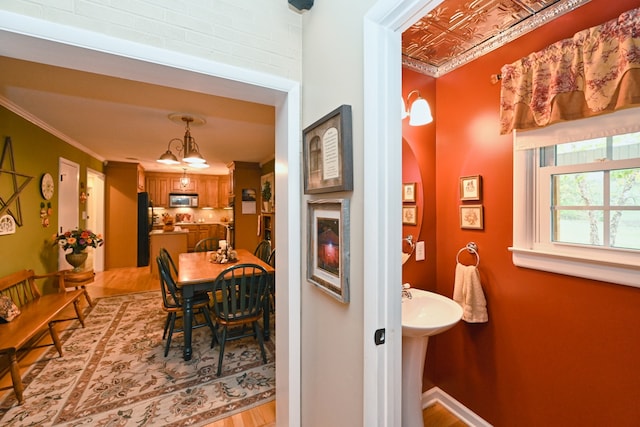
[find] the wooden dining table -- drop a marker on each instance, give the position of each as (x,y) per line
(196,273)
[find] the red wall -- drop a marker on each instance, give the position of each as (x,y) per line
(557,350)
(418,165)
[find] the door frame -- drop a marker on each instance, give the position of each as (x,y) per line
(94,209)
(384,24)
(50,43)
(68,217)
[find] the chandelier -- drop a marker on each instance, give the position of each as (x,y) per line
(185,147)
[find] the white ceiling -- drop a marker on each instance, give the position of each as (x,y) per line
(117,119)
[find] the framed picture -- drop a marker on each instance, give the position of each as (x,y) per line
(471,217)
(410,215)
(470,187)
(409,192)
(328,247)
(328,153)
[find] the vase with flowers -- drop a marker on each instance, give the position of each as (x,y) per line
(78,240)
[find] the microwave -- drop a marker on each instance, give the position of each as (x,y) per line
(183,200)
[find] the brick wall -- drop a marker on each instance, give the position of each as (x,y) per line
(262,35)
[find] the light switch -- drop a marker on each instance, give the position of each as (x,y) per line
(420,251)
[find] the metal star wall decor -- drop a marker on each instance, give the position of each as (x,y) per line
(18,182)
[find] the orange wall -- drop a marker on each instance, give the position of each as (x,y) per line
(557,350)
(418,165)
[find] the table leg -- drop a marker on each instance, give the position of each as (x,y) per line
(187,317)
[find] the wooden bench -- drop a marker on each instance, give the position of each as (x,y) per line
(38,311)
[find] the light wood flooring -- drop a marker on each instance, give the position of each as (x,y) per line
(127,280)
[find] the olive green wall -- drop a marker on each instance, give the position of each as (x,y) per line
(35,152)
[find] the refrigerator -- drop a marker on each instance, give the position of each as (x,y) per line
(145,216)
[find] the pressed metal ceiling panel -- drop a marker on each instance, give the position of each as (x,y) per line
(458,31)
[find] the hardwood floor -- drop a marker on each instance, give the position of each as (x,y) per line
(127,280)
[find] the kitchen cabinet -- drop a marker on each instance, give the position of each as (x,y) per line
(208,191)
(141,179)
(197,232)
(192,237)
(177,187)
(158,188)
(223,191)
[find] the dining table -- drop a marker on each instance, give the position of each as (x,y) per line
(197,272)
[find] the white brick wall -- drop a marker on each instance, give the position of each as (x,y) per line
(263,35)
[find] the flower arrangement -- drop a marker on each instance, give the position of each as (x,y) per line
(78,240)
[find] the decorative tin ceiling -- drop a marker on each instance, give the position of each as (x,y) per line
(459,31)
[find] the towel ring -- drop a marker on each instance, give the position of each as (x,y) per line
(473,249)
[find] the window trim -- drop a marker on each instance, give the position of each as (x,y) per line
(557,258)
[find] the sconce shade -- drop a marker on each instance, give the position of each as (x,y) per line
(186,146)
(420,113)
(168,158)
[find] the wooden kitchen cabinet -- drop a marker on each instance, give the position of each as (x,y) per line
(176,185)
(208,191)
(158,188)
(193,237)
(223,191)
(141,179)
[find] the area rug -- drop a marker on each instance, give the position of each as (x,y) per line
(113,373)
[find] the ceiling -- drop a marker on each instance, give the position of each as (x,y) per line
(125,120)
(459,31)
(116,119)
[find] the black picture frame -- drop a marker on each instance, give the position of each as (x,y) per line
(328,153)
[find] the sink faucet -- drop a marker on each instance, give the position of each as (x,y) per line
(405,291)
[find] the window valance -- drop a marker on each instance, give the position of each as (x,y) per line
(596,71)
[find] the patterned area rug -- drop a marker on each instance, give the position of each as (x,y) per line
(114,373)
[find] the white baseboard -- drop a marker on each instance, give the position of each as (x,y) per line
(465,415)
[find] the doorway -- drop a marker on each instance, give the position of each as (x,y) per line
(22,41)
(94,205)
(68,178)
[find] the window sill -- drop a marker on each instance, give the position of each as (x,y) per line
(595,269)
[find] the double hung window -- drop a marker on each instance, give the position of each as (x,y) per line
(577,198)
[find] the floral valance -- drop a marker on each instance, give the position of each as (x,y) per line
(594,72)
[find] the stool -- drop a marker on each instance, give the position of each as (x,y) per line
(79,279)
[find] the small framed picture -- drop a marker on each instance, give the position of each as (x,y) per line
(471,217)
(328,247)
(409,192)
(410,215)
(470,187)
(328,153)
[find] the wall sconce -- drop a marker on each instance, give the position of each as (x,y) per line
(186,146)
(419,111)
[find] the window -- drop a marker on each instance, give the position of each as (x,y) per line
(577,198)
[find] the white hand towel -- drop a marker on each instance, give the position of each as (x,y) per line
(467,292)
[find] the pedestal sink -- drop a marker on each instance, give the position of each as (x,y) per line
(424,315)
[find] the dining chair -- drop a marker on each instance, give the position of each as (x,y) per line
(272,286)
(172,303)
(263,250)
(239,294)
(208,244)
(169,260)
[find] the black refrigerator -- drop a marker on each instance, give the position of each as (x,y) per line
(144,227)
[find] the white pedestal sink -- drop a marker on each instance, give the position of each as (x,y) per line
(424,315)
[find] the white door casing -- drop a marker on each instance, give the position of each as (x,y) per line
(68,201)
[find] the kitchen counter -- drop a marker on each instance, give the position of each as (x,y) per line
(161,231)
(173,241)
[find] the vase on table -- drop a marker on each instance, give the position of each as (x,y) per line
(76,259)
